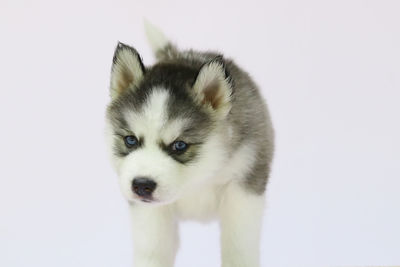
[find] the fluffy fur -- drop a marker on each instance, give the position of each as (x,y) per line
(213,106)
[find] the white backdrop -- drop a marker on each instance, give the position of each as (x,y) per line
(328,69)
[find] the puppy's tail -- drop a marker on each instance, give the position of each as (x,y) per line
(161,46)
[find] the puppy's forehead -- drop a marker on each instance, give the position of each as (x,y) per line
(153,121)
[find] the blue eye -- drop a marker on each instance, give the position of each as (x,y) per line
(179,146)
(131,141)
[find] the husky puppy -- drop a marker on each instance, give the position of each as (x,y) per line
(190,138)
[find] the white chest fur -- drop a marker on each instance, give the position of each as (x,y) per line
(201,205)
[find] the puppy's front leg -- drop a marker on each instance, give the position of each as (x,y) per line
(155,236)
(240,221)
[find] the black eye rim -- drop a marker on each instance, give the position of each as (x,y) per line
(127,144)
(179,151)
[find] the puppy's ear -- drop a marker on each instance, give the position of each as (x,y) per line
(213,87)
(127,69)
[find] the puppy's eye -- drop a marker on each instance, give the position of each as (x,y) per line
(131,141)
(179,146)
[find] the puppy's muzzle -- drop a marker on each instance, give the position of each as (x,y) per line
(143,186)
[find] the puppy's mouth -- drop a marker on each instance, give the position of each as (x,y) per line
(145,199)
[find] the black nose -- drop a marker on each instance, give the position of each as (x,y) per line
(143,187)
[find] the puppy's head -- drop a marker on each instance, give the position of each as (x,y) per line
(165,125)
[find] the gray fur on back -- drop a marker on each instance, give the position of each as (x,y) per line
(249,116)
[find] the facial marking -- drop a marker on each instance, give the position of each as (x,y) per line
(152,117)
(173,129)
(152,122)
